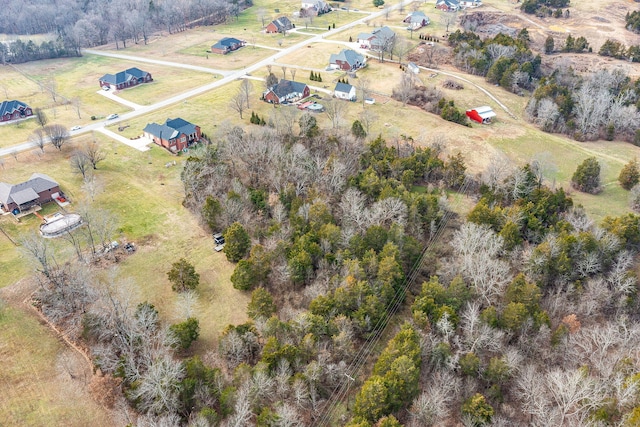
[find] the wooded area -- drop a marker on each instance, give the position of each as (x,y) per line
(77,24)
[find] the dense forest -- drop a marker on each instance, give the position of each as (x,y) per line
(372,303)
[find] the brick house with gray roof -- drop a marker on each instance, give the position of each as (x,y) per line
(286,91)
(280,25)
(124,79)
(39,189)
(347,60)
(174,135)
(14,110)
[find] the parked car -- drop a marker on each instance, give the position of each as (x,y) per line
(369,101)
(218,239)
(112,116)
(106,87)
(76,128)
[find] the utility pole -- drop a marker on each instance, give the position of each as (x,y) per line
(351,381)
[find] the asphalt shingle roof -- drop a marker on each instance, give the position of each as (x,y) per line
(123,76)
(38,183)
(11,106)
(172,128)
(343,87)
(285,87)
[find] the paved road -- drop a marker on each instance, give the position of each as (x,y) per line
(229,76)
(157,62)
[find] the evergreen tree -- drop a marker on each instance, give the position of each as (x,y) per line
(183,276)
(629,175)
(587,176)
(237,242)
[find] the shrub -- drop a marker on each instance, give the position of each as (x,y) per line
(634,198)
(185,332)
(587,176)
(629,175)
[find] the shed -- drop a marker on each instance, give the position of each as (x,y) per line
(482,114)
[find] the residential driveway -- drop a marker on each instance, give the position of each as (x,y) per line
(111,95)
(140,144)
(158,62)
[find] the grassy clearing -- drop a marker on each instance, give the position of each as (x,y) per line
(315,55)
(35,391)
(145,197)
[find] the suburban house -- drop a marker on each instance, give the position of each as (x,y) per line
(379,39)
(39,189)
(345,91)
(226,45)
(13,110)
(280,25)
(314,7)
(347,60)
(416,20)
(126,78)
(481,115)
(470,3)
(448,5)
(174,135)
(286,91)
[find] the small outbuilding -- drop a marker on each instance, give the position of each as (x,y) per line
(345,91)
(482,115)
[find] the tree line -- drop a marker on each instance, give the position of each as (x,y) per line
(76,24)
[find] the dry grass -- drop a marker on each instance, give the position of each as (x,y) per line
(78,78)
(37,389)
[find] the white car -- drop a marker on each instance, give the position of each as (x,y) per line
(112,116)
(106,87)
(76,128)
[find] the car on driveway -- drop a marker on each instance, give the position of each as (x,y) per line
(106,87)
(76,128)
(112,116)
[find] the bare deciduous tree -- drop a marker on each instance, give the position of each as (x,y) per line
(367,118)
(158,391)
(37,138)
(41,116)
(448,19)
(246,89)
(93,153)
(335,110)
(76,105)
(238,103)
(79,163)
(403,91)
(478,249)
(57,135)
(363,86)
